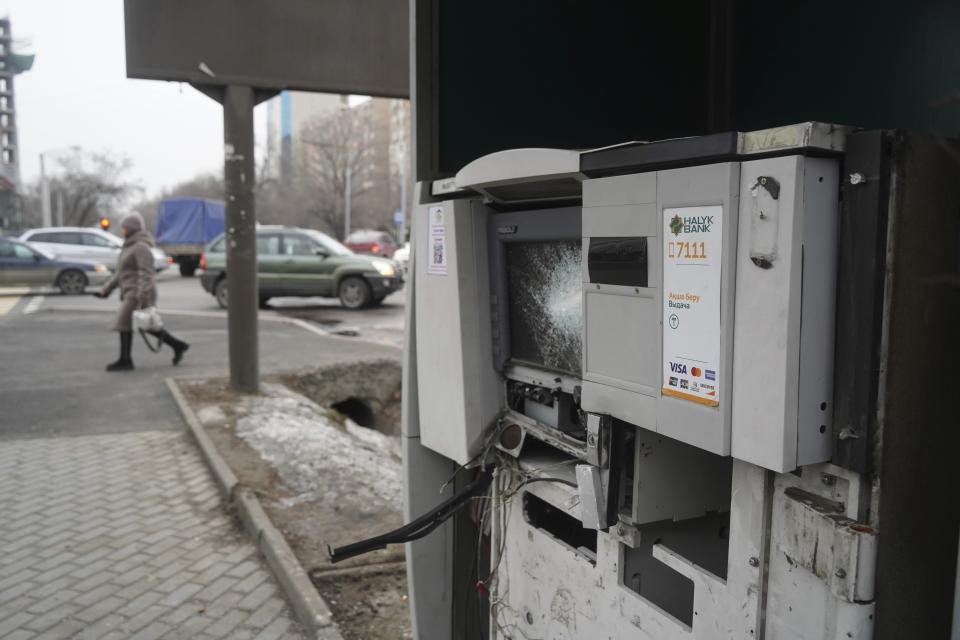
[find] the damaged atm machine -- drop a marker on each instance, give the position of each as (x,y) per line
(650,387)
(697,386)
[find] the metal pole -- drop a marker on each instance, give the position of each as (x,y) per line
(347,196)
(46,218)
(241,224)
(403,203)
(60,207)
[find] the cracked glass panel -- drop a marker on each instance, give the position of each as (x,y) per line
(546,312)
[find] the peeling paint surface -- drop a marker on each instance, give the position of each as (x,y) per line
(573,598)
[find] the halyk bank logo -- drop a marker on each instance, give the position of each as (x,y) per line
(690,224)
(676,225)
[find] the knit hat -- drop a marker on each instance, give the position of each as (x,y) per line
(133,222)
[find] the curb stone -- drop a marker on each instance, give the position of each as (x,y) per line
(311,610)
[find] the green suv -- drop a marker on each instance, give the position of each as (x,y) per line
(304,262)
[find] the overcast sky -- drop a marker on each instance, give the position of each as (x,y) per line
(77,94)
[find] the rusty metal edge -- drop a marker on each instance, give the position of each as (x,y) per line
(309,606)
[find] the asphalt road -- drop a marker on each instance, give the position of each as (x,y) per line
(53,350)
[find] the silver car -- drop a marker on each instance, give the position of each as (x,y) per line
(85,243)
(23,265)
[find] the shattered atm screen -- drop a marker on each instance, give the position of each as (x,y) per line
(544,283)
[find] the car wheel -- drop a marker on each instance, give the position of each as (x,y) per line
(72,282)
(354,292)
(220,292)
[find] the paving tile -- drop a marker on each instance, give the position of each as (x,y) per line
(123,536)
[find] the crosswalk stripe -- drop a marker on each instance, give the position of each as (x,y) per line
(33,306)
(7,303)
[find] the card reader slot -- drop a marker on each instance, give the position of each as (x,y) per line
(618,261)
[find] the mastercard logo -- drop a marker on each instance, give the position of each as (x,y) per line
(696,372)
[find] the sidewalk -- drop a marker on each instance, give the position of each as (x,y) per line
(124,536)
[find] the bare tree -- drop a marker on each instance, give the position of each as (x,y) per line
(87,185)
(334,146)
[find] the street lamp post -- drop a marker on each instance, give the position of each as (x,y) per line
(44,195)
(46,207)
(348,187)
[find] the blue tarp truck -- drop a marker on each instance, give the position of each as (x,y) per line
(185,226)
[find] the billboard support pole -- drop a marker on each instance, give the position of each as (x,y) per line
(241,228)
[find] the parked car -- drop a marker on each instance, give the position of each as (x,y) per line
(22,264)
(85,243)
(402,257)
(376,243)
(304,262)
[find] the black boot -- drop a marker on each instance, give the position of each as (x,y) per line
(125,363)
(179,346)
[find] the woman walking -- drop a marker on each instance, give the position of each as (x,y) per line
(135,277)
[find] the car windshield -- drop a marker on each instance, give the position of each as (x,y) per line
(43,252)
(112,240)
(328,243)
(217,245)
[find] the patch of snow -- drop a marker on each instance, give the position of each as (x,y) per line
(373,438)
(211,415)
(344,466)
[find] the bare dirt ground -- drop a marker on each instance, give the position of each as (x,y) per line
(311,503)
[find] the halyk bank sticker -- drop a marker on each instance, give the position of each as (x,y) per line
(436,242)
(692,245)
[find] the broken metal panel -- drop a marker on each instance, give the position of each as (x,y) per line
(664,488)
(819,538)
(820,579)
(581,595)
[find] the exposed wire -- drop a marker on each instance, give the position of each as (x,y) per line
(419,527)
(569,483)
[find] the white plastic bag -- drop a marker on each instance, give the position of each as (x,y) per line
(147,319)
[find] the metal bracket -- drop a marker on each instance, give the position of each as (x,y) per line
(838,550)
(598,440)
(626,534)
(593,479)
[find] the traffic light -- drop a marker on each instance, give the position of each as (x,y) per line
(105,223)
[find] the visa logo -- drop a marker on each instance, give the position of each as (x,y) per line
(676,367)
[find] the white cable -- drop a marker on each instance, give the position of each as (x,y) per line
(494,549)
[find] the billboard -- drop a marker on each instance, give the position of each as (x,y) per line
(331,46)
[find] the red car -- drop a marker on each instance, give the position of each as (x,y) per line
(376,243)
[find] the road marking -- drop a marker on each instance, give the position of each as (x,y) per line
(269,316)
(34,305)
(7,303)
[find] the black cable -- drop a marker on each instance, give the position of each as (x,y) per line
(569,483)
(419,527)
